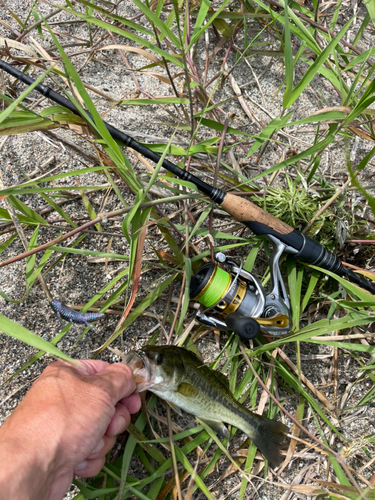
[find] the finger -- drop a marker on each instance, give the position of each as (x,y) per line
(117,380)
(84,367)
(132,403)
(102,448)
(119,421)
(91,366)
(89,468)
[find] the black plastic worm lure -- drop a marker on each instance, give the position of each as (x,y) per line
(74,316)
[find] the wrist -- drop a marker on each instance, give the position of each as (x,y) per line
(23,472)
(29,458)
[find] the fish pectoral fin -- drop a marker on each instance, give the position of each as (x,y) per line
(187,390)
(218,427)
(175,408)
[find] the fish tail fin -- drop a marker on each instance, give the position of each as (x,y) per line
(267,437)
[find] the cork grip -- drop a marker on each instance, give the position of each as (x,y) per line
(245,211)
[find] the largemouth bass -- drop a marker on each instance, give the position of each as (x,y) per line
(179,377)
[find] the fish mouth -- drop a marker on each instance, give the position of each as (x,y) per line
(142,369)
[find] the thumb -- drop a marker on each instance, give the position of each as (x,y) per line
(117,379)
(91,366)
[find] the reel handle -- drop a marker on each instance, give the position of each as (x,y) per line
(246,328)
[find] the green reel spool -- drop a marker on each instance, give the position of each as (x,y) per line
(209,284)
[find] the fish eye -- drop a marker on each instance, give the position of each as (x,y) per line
(159,359)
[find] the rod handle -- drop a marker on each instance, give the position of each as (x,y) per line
(245,211)
(305,249)
(261,222)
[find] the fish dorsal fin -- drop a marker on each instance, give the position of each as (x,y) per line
(187,390)
(222,378)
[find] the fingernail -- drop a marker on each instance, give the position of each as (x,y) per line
(81,466)
(120,425)
(98,447)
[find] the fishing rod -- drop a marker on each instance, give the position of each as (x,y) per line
(233,299)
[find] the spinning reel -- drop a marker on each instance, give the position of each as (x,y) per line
(235,300)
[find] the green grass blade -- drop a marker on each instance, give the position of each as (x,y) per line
(63,175)
(199,32)
(141,439)
(273,126)
(41,265)
(310,288)
(319,146)
(144,304)
(16,191)
(154,19)
(24,335)
(26,210)
(185,462)
(126,34)
(357,291)
(186,300)
(89,493)
(107,14)
(288,59)
(335,16)
(157,100)
(370,5)
(7,242)
(295,286)
(30,261)
(7,111)
(362,28)
(96,120)
(311,72)
(58,209)
(80,251)
(247,469)
(203,9)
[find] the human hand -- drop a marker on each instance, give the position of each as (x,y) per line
(66,424)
